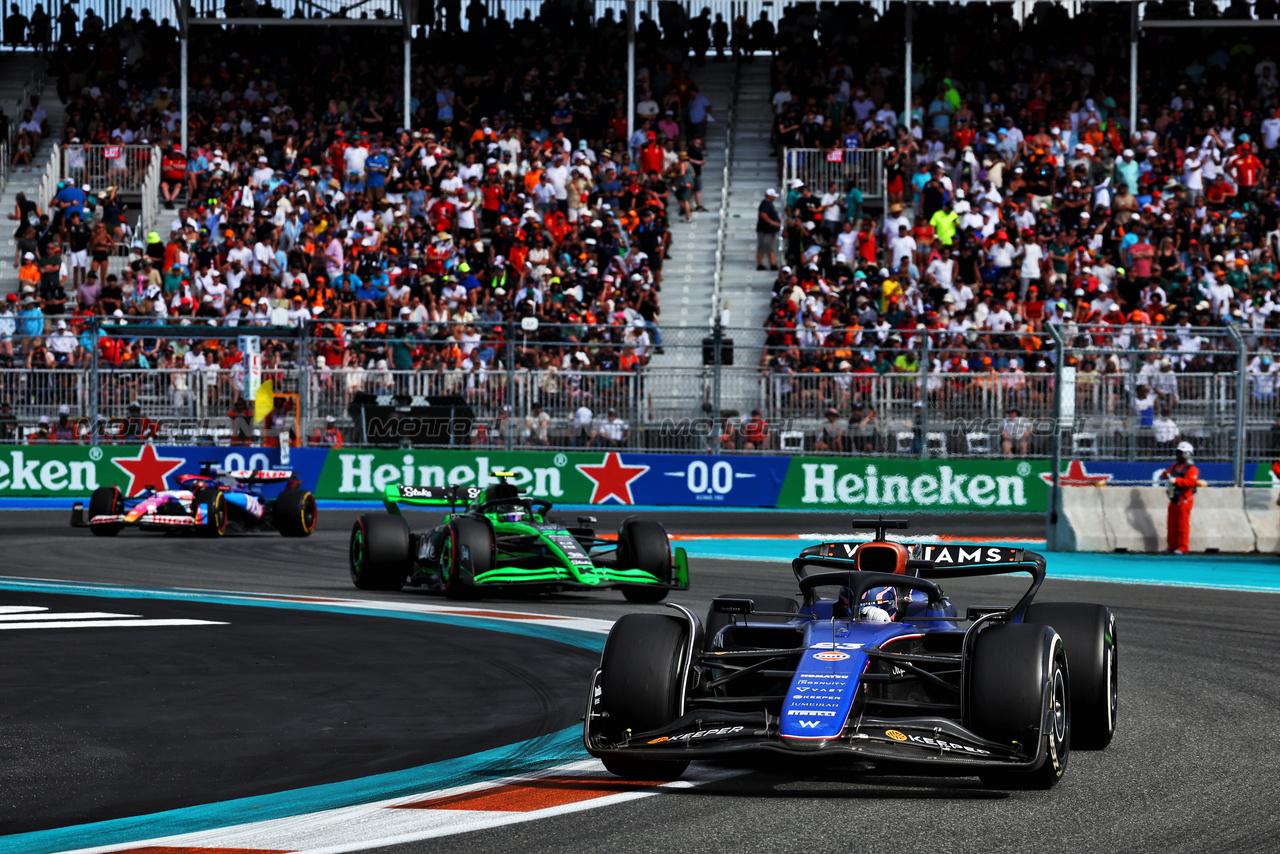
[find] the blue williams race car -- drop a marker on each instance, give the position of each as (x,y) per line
(873,664)
(209,503)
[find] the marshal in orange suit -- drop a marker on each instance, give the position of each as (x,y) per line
(1181,480)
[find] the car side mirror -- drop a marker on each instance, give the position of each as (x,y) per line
(727,605)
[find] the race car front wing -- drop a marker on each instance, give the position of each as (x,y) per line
(80,519)
(710,734)
(596,576)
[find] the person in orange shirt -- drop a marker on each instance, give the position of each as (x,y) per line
(29,273)
(1093,135)
(532,178)
(1181,480)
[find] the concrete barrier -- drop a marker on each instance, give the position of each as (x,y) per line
(1080,526)
(1219,521)
(1135,519)
(1264,517)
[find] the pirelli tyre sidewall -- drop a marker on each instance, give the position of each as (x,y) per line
(215,519)
(643,544)
(379,552)
(642,684)
(1089,633)
(106,501)
(467,551)
(295,513)
(1019,691)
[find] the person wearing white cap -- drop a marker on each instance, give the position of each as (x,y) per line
(329,437)
(768,224)
(1126,170)
(1193,174)
(63,345)
(65,431)
(1181,479)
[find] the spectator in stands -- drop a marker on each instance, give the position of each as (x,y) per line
(613,431)
(768,224)
(8,328)
(43,434)
(755,432)
(536,424)
(15,27)
(138,428)
(1165,431)
(329,437)
(830,434)
(241,417)
(1015,434)
(583,418)
(10,432)
(64,430)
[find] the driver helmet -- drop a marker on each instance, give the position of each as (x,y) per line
(514,515)
(885,599)
(879,603)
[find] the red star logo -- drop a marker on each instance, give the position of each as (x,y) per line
(612,479)
(147,469)
(1075,475)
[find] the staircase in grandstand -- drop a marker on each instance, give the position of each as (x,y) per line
(744,290)
(689,273)
(21,77)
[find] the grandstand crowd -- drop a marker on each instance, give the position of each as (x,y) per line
(1016,193)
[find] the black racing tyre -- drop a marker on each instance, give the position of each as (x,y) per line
(467,551)
(763,602)
(295,513)
(642,686)
(1089,633)
(1013,669)
(643,544)
(106,501)
(379,552)
(215,521)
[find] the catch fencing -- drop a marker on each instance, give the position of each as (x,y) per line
(863,168)
(1116,394)
(124,167)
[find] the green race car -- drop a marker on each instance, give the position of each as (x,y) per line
(494,538)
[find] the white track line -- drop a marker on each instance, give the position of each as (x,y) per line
(105,624)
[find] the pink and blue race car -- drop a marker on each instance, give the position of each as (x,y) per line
(209,503)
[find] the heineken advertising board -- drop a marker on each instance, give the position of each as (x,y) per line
(573,477)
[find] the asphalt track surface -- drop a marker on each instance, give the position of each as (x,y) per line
(1192,768)
(123,721)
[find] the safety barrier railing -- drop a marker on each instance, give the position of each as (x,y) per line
(860,167)
(725,188)
(926,396)
(33,85)
(125,167)
(52,175)
(151,193)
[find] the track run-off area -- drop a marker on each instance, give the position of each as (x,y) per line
(162,692)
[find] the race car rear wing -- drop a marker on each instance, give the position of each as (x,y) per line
(260,475)
(429,496)
(932,561)
(211,468)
